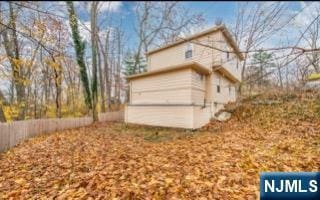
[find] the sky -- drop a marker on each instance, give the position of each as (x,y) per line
(210,11)
(124,12)
(302,13)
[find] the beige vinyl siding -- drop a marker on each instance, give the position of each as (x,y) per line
(202,116)
(205,55)
(183,98)
(224,96)
(167,88)
(231,63)
(198,88)
(169,57)
(176,55)
(165,116)
(190,117)
(162,97)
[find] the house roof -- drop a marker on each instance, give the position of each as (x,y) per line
(313,77)
(193,65)
(221,28)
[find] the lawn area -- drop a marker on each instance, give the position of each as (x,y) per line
(220,161)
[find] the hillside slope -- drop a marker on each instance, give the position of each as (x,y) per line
(220,161)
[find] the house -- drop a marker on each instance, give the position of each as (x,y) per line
(313,81)
(187,81)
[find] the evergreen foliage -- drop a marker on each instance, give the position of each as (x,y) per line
(130,67)
(79,46)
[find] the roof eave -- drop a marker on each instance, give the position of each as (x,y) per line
(233,43)
(193,65)
(223,29)
(226,73)
(191,37)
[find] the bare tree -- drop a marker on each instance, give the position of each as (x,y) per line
(118,66)
(104,50)
(255,23)
(161,23)
(312,37)
(94,52)
(11,44)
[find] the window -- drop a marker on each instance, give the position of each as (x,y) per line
(218,85)
(204,103)
(229,90)
(218,88)
(228,55)
(188,51)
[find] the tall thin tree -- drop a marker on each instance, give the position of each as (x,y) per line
(94,46)
(79,46)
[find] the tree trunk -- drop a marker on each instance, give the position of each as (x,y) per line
(118,71)
(58,82)
(107,72)
(2,103)
(94,33)
(101,82)
(242,76)
(280,77)
(35,91)
(80,50)
(12,51)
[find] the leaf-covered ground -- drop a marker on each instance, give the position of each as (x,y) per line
(115,161)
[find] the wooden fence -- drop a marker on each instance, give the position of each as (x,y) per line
(15,132)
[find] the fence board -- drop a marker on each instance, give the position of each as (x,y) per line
(13,133)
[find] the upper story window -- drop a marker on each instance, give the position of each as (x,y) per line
(228,55)
(218,86)
(188,51)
